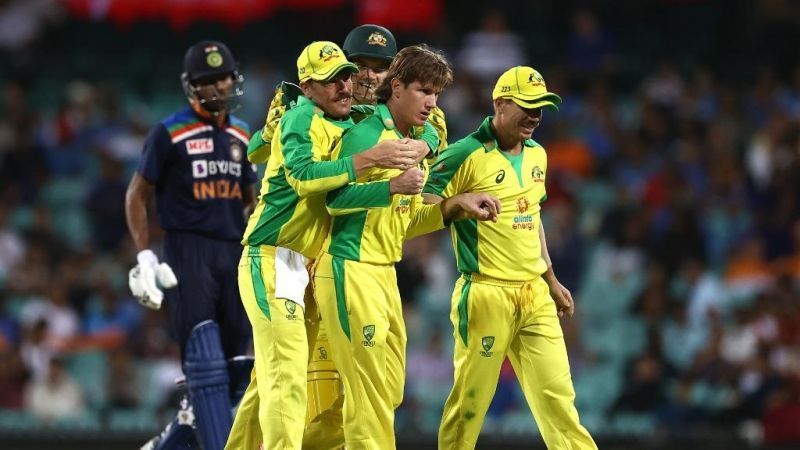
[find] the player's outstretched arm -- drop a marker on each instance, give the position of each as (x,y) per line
(139,193)
(376,194)
(470,205)
(260,145)
(142,278)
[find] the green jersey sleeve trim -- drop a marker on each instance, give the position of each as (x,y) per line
(431,137)
(257,149)
(358,197)
(307,175)
(448,163)
(361,137)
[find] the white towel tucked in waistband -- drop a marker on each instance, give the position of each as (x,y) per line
(291,275)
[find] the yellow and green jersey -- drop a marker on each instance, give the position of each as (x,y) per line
(369,225)
(291,209)
(509,249)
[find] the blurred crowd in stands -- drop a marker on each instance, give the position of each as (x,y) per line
(673,215)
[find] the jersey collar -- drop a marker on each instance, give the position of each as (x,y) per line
(385,116)
(487,138)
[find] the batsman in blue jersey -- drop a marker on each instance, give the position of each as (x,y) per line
(194,162)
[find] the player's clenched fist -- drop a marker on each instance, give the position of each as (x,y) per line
(470,206)
(476,206)
(409,182)
(394,154)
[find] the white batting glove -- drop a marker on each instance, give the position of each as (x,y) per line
(142,279)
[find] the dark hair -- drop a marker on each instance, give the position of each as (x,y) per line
(416,63)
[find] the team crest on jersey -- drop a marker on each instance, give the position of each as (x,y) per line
(377,39)
(487,342)
(199,146)
(369,333)
(291,308)
(236,151)
(328,52)
(538,174)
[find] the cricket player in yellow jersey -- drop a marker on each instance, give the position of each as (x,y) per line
(508,299)
(371,48)
(286,231)
(355,281)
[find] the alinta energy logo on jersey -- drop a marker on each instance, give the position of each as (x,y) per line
(404,206)
(523,221)
(377,39)
(487,342)
(369,333)
(328,52)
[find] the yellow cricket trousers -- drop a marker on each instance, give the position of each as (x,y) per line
(360,304)
(493,319)
(278,390)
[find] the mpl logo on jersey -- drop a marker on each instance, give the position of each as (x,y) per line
(199,146)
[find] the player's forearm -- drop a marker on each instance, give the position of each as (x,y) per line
(363,162)
(318,180)
(136,212)
(431,199)
(450,209)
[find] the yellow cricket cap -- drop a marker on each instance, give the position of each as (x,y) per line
(321,60)
(525,87)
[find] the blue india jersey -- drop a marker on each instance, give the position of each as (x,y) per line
(200,172)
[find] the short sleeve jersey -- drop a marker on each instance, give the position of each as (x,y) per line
(199,171)
(509,249)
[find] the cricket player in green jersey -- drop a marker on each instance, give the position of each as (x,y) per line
(355,282)
(285,232)
(508,300)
